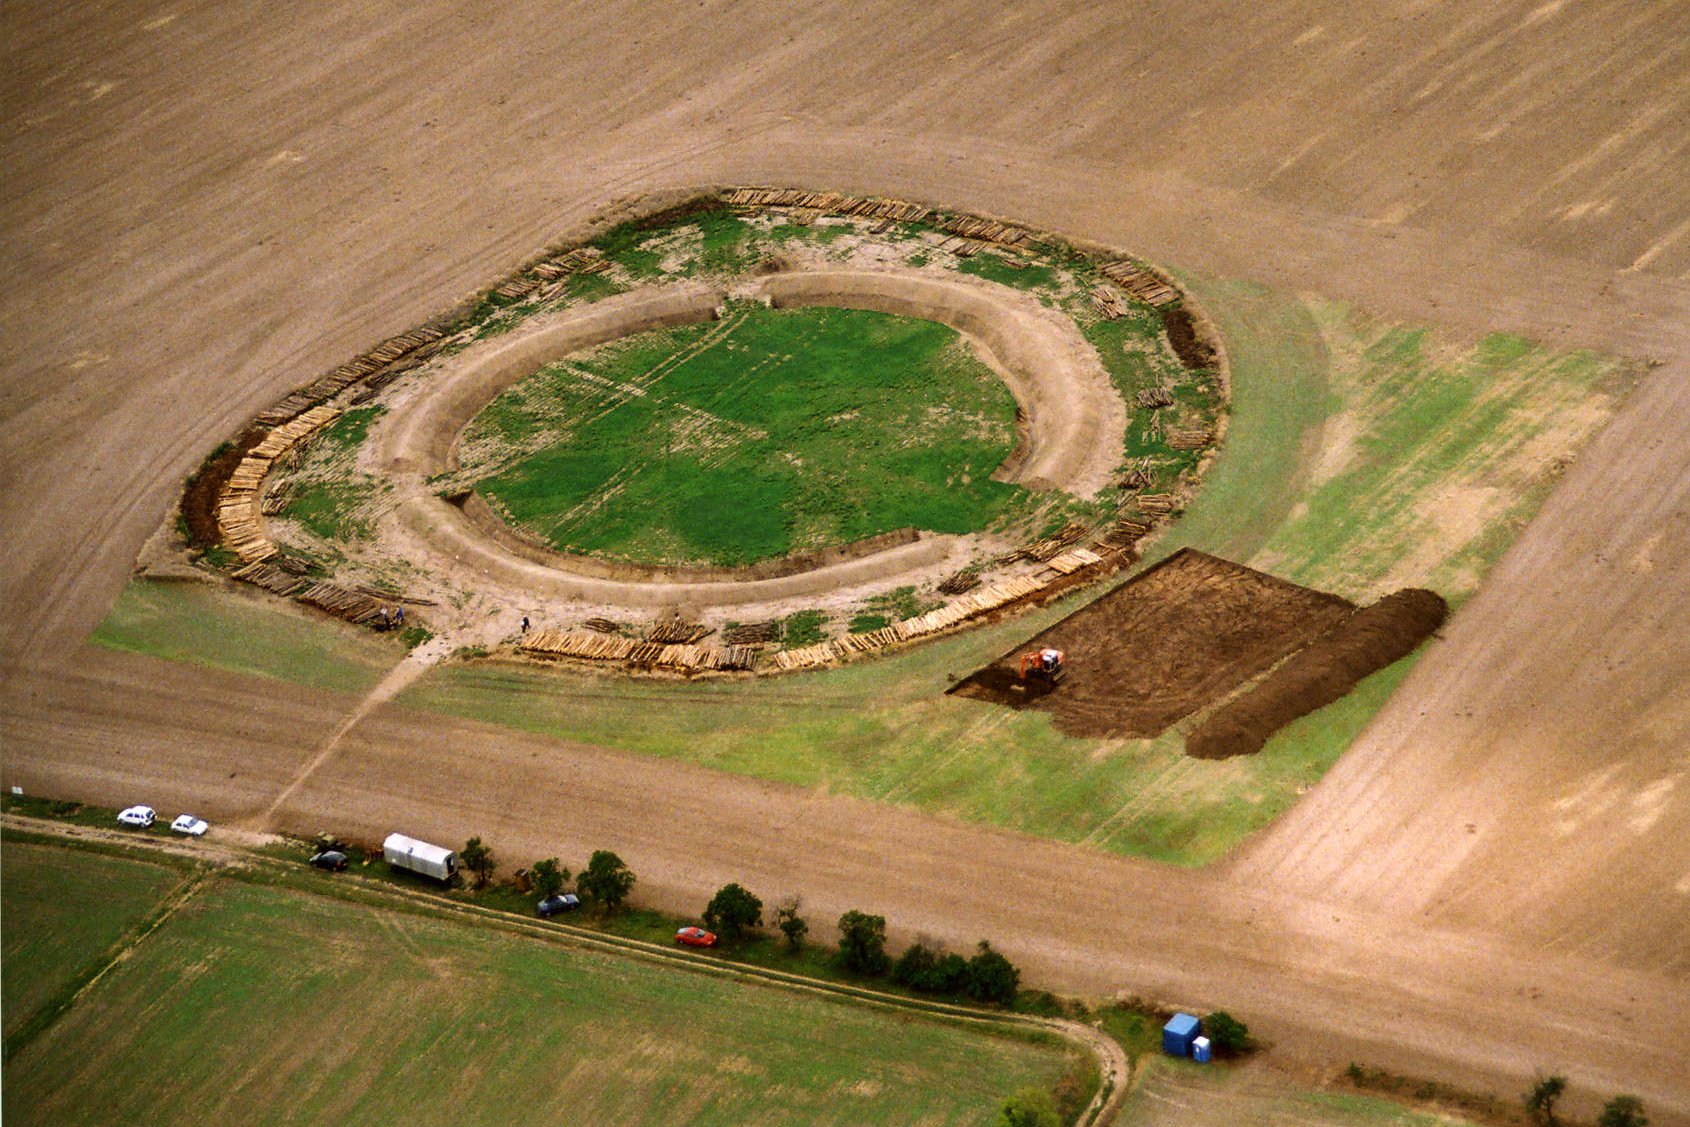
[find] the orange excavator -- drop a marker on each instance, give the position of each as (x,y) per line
(1046,666)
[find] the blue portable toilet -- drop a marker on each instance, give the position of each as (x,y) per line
(1200,1050)
(1178,1034)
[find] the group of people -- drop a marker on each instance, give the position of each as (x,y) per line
(392,617)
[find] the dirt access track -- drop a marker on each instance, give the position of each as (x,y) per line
(1174,638)
(1074,419)
(204,206)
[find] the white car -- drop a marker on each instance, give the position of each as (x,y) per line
(142,816)
(190,825)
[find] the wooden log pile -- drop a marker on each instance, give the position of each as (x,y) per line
(326,387)
(1157,504)
(959,581)
(1141,283)
(981,601)
(1125,533)
(342,602)
(239,523)
(676,632)
(1153,397)
(272,578)
(240,508)
(296,430)
(753,633)
(869,206)
(1073,560)
(581,260)
(984,230)
(513,288)
(588,646)
(1108,301)
(603,625)
(275,500)
(1043,550)
(1190,438)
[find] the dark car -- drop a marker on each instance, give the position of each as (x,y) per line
(329,859)
(552,905)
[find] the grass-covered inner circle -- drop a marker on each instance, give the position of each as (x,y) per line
(768,432)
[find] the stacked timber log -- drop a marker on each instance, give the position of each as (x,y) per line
(981,601)
(513,288)
(1141,283)
(832,202)
(583,644)
(1152,397)
(676,632)
(418,341)
(586,646)
(275,500)
(1125,534)
(240,523)
(603,625)
(1073,560)
(272,578)
(959,581)
(753,633)
(342,602)
(581,260)
(1108,301)
(984,230)
(1190,438)
(1157,504)
(291,433)
(1043,550)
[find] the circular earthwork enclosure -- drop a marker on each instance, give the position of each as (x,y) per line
(737,429)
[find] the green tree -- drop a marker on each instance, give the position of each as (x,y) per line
(862,942)
(991,977)
(549,877)
(930,969)
(1622,1111)
(1540,1101)
(733,911)
(478,859)
(1226,1033)
(791,924)
(915,966)
(949,975)
(606,881)
(1030,1107)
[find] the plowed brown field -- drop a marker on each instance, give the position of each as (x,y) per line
(1177,637)
(204,205)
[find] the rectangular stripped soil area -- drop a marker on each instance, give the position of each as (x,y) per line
(1173,640)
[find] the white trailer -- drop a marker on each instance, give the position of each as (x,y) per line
(408,853)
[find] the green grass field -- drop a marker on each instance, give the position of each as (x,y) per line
(63,913)
(768,432)
(206,624)
(261,1004)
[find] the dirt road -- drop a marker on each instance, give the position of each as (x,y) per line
(204,207)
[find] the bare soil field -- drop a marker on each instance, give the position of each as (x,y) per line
(204,205)
(1176,638)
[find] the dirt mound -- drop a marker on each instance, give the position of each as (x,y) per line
(1330,667)
(1193,350)
(1171,641)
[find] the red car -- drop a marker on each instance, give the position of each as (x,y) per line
(695,937)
